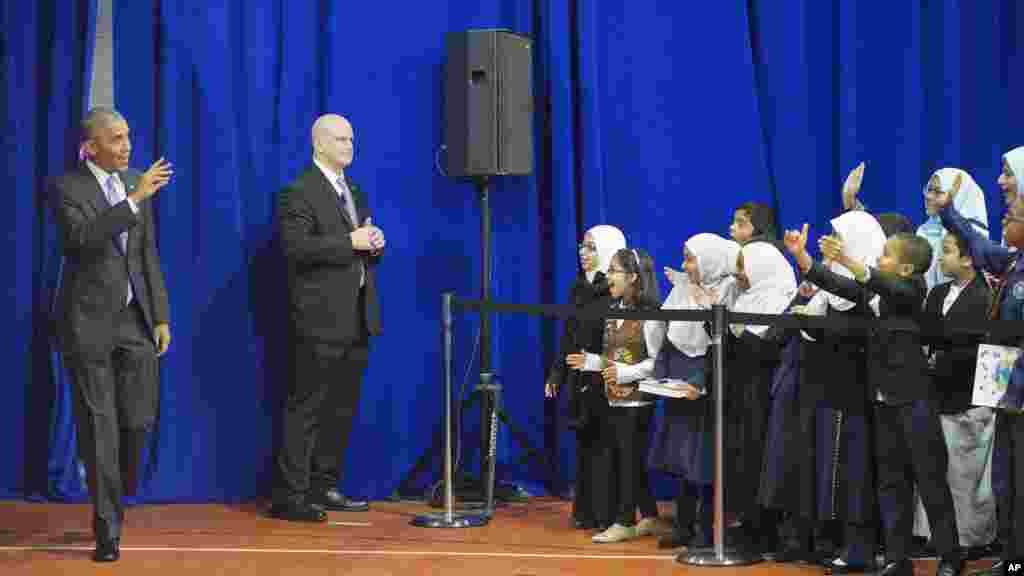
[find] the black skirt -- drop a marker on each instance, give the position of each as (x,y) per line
(683,438)
(750,364)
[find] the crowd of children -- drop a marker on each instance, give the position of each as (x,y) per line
(841,445)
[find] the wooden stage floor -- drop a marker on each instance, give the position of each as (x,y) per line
(531,539)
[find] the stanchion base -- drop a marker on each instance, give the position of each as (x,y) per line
(707,557)
(458,520)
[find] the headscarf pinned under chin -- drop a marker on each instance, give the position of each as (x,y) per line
(608,240)
(863,241)
(969,202)
(716,261)
(772,285)
(1015,159)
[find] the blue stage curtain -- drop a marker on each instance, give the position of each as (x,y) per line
(689,111)
(908,88)
(671,136)
(43,51)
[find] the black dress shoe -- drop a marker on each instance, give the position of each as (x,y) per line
(997,569)
(107,550)
(673,540)
(583,524)
(338,502)
(990,550)
(900,568)
(950,567)
(924,549)
(298,512)
(792,555)
(701,539)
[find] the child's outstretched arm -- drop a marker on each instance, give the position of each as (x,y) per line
(825,279)
(987,255)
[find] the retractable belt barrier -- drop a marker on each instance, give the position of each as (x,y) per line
(930,330)
(718,319)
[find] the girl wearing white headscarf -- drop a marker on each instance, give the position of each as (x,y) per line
(969,202)
(768,286)
(593,503)
(1008,453)
(682,444)
(833,417)
(1013,172)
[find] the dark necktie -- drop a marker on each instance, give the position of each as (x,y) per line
(116,195)
(346,201)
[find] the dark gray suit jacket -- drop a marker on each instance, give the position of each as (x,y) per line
(323,271)
(96,270)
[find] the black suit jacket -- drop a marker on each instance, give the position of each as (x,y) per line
(896,364)
(578,333)
(582,334)
(957,357)
(96,271)
(323,270)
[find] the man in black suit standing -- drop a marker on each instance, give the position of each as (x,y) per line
(332,249)
(114,318)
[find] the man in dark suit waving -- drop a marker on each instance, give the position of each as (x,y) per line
(332,249)
(114,318)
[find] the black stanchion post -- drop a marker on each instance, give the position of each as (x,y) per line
(448,518)
(719,554)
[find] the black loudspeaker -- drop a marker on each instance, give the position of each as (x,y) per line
(489,103)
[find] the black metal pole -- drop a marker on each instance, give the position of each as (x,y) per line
(446,350)
(483,186)
(449,518)
(718,333)
(719,554)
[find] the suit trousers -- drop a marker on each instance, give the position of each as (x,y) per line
(910,448)
(318,416)
(110,433)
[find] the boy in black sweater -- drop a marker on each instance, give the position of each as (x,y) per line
(909,445)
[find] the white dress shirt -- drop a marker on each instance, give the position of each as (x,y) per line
(114,197)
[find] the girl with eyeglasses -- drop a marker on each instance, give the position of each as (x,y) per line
(627,357)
